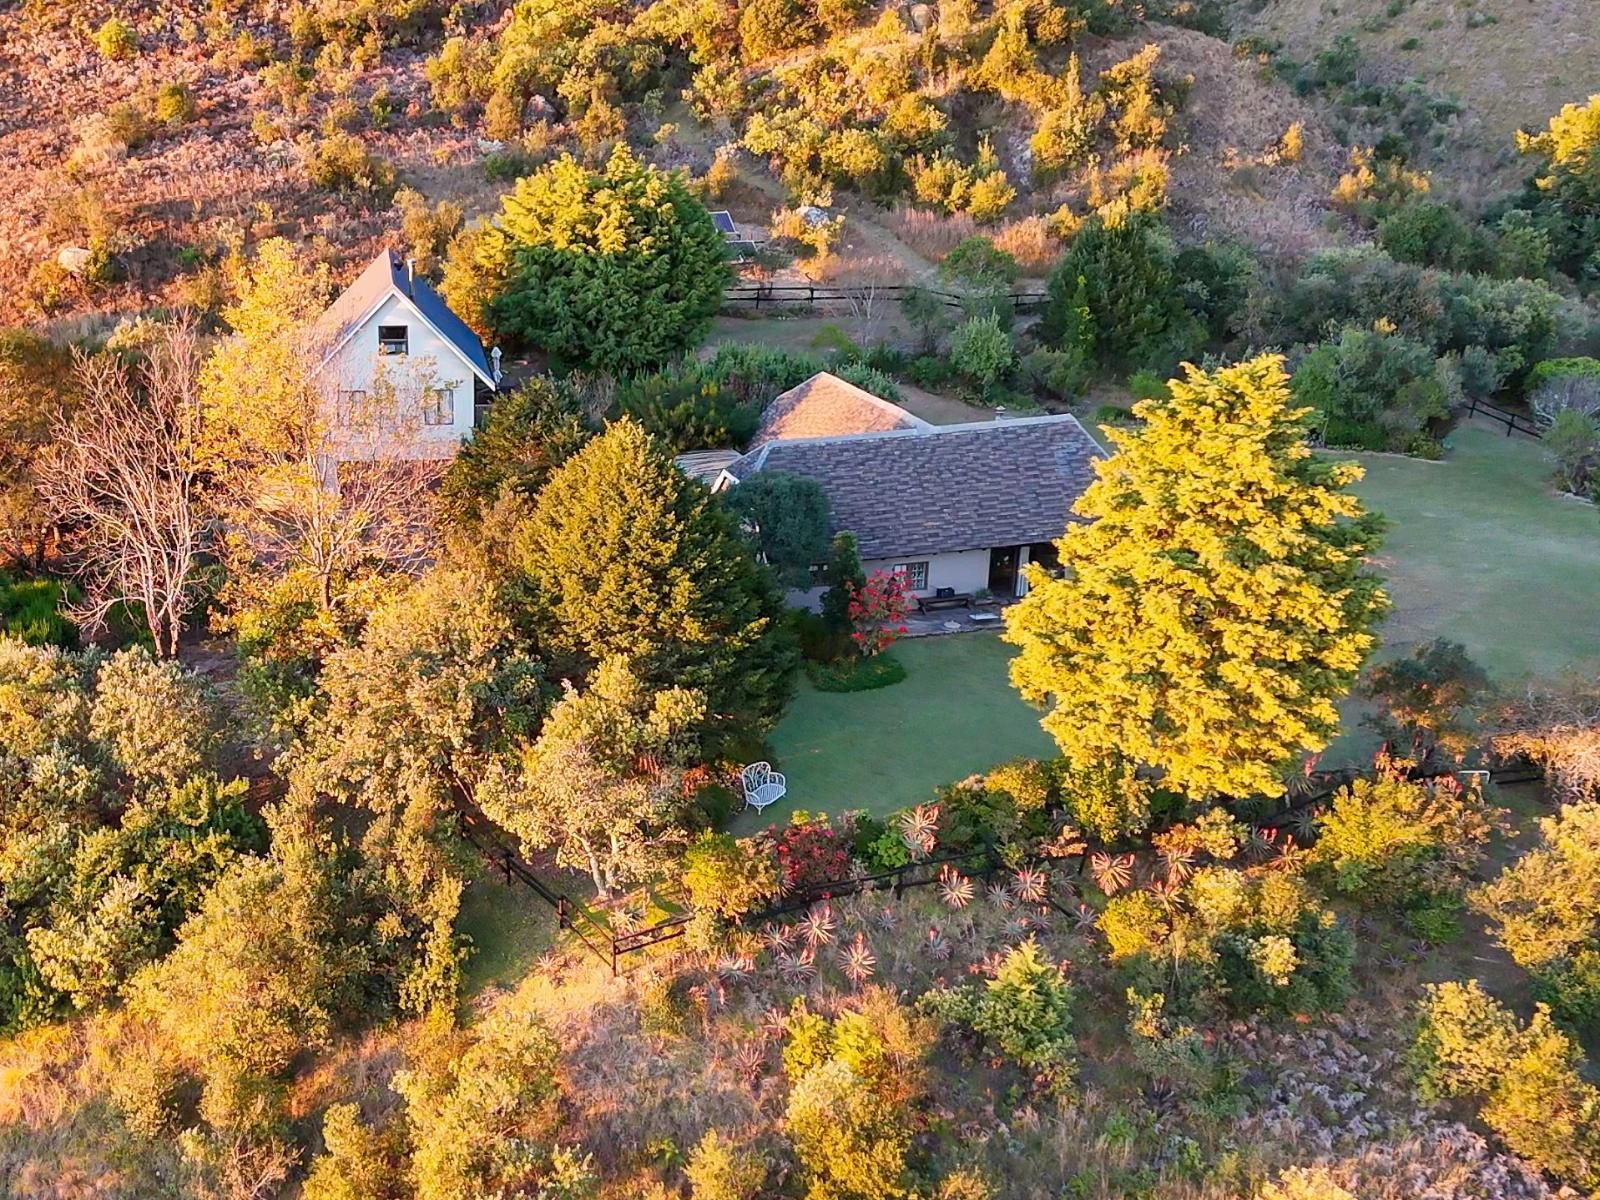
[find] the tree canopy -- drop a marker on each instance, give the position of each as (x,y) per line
(786,519)
(1214,609)
(632,558)
(619,269)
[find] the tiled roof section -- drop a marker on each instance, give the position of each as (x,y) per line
(372,285)
(827,406)
(705,465)
(945,488)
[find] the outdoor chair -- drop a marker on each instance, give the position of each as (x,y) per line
(762,785)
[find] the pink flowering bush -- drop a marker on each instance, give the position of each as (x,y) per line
(810,853)
(877,612)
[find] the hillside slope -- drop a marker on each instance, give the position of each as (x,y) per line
(1509,63)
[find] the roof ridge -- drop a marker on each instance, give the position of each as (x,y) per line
(928,429)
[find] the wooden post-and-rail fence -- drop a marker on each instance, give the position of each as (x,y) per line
(809,295)
(609,945)
(1514,422)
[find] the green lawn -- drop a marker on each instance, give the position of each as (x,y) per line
(953,715)
(1480,550)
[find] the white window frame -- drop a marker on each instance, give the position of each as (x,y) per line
(386,344)
(438,406)
(910,571)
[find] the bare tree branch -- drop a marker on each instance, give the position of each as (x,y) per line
(123,476)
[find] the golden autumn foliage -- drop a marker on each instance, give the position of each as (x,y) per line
(1213,610)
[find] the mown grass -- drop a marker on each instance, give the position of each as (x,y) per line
(1480,550)
(955,714)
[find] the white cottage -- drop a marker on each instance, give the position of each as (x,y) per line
(402,372)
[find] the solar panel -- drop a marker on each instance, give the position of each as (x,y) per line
(723,221)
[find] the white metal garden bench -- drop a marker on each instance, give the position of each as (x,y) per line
(762,785)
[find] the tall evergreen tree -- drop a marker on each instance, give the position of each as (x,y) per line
(632,558)
(1123,274)
(1214,609)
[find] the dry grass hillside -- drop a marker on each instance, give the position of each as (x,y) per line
(1510,63)
(182,192)
(172,197)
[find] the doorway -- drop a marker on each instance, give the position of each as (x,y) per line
(1003,571)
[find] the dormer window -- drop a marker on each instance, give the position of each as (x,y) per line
(392,339)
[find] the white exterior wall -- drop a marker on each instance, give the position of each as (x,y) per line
(964,570)
(431,360)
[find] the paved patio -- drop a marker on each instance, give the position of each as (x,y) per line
(956,620)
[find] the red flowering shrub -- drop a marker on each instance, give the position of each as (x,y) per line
(810,854)
(877,612)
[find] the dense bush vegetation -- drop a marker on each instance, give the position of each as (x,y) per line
(619,269)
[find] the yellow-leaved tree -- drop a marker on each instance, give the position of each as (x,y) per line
(316,481)
(1213,608)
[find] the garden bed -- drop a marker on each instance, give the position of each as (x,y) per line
(856,674)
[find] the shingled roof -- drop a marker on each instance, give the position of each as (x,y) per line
(940,489)
(386,275)
(827,406)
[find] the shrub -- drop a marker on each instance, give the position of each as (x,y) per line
(810,853)
(1147,385)
(1059,374)
(1025,1011)
(116,40)
(852,1079)
(1516,320)
(1372,390)
(174,104)
(340,162)
(981,350)
(1394,841)
(686,411)
(1544,905)
(1573,444)
(869,379)
(1525,1077)
(30,611)
(726,878)
(1571,987)
(1431,233)
(1560,385)
(718,1170)
(976,262)
(856,674)
(770,27)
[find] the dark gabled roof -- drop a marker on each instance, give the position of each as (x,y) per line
(388,273)
(723,220)
(943,488)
